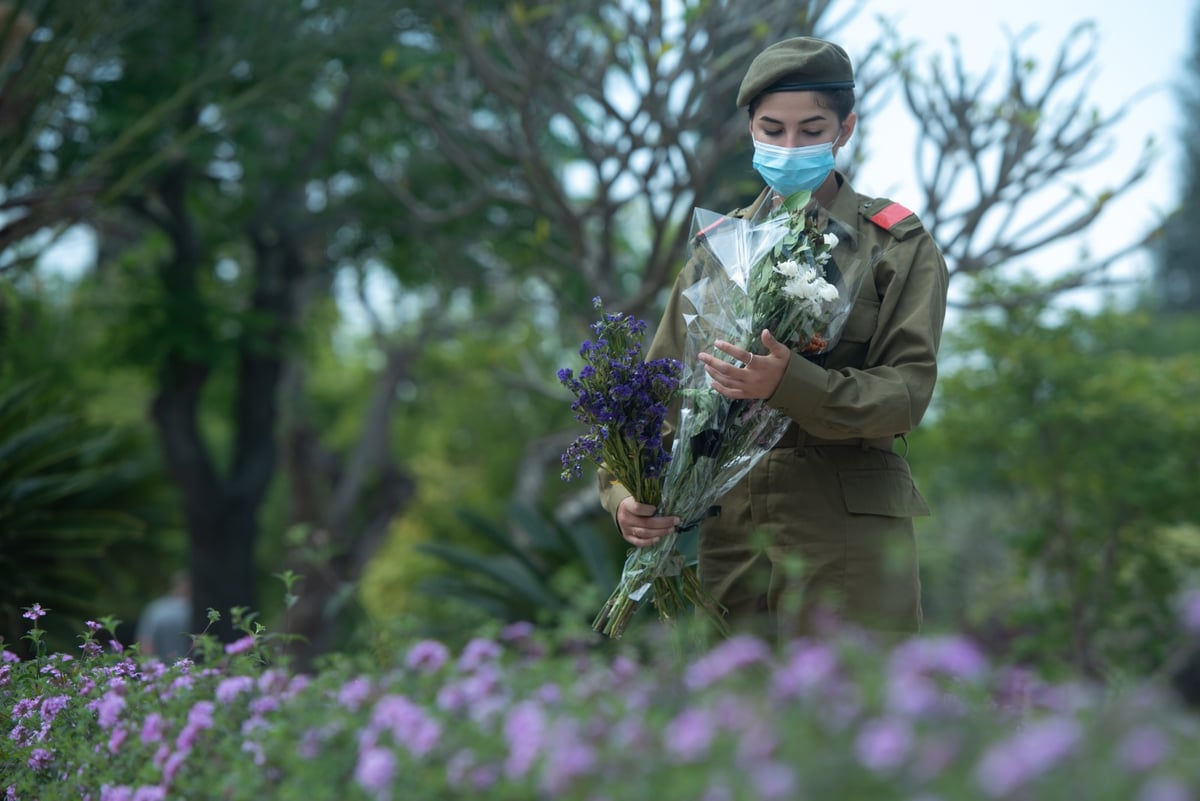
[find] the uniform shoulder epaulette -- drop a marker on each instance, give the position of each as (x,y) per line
(897,220)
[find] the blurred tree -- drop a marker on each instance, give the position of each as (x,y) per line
(1062,458)
(1000,165)
(1178,284)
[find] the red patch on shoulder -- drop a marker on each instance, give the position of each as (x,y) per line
(889,215)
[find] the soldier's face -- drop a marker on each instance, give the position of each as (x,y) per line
(797,119)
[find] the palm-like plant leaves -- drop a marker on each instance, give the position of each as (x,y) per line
(63,507)
(513,574)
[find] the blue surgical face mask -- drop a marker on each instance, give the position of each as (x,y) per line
(788,170)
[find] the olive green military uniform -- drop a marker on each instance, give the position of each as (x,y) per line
(825,519)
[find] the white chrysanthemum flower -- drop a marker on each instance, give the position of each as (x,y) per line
(788,269)
(831,241)
(828,293)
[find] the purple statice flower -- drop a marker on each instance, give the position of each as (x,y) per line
(272,681)
(427,656)
(230,688)
(296,685)
(619,395)
(375,771)
(120,792)
(354,693)
(883,744)
(240,646)
(34,612)
(1143,748)
(153,728)
(477,653)
(689,735)
(8,656)
(40,758)
(728,657)
(1031,752)
(525,730)
(116,646)
(256,752)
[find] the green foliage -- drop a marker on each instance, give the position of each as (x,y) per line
(527,568)
(73,503)
(1061,460)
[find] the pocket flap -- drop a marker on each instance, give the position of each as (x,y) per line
(886,492)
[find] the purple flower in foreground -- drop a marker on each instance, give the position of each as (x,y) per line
(149,793)
(1143,748)
(120,792)
(375,770)
(240,646)
(1191,611)
(728,657)
(232,687)
(39,759)
(525,731)
(427,656)
(108,708)
(34,612)
(1031,752)
(883,744)
(1165,788)
(774,782)
(477,653)
(810,667)
(354,692)
(153,728)
(688,737)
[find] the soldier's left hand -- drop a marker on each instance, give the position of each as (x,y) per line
(759,375)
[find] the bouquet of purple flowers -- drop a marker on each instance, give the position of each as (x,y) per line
(777,272)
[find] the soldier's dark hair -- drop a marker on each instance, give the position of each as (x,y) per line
(839,101)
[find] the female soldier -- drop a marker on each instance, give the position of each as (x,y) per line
(824,522)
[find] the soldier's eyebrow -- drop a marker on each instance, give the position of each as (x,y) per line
(805,121)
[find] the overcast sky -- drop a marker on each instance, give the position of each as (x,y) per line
(1142,50)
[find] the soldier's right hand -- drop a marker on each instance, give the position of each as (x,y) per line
(640,524)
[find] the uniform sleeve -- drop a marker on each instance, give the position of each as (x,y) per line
(888,396)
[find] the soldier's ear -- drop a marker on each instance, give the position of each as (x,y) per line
(847,130)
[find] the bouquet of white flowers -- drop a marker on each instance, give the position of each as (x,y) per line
(780,272)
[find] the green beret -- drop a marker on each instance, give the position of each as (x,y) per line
(796,65)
